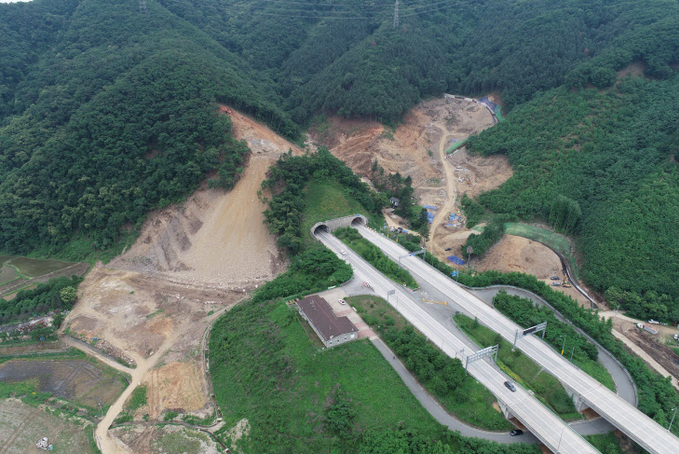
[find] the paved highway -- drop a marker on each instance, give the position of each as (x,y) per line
(537,418)
(642,429)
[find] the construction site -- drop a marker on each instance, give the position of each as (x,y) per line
(147,313)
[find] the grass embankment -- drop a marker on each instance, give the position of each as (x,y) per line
(275,377)
(545,236)
(297,398)
(444,378)
(610,444)
(375,256)
(559,335)
(327,199)
(522,369)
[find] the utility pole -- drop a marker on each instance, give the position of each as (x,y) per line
(142,6)
(396,14)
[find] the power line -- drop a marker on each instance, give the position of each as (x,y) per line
(339,11)
(439,8)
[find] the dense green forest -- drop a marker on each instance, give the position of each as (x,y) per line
(602,164)
(107,111)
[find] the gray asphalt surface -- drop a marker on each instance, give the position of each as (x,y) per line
(624,385)
(537,418)
(437,412)
(642,429)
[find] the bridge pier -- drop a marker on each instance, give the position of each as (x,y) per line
(579,402)
(506,411)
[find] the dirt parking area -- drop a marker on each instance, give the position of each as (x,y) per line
(168,439)
(22,426)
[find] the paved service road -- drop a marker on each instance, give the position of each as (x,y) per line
(642,429)
(537,418)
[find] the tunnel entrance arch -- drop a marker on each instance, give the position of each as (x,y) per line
(330,225)
(358,221)
(318,228)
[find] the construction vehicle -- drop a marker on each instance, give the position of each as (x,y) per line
(647,328)
(566,283)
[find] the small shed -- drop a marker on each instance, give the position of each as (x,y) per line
(394,202)
(332,330)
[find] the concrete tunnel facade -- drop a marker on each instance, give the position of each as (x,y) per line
(334,224)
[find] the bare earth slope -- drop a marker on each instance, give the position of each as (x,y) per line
(152,305)
(214,237)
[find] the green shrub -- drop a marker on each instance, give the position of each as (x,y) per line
(138,399)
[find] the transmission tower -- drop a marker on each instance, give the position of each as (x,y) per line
(142,6)
(396,14)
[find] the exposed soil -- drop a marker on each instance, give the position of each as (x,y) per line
(633,70)
(151,306)
(175,387)
(651,348)
(168,439)
(216,238)
(22,426)
(519,254)
(416,149)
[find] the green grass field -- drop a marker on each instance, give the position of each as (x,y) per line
(265,368)
(471,403)
(327,200)
(522,369)
(375,257)
(554,240)
(8,274)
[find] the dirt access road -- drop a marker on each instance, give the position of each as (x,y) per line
(416,148)
(152,305)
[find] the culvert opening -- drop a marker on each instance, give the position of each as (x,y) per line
(321,228)
(357,221)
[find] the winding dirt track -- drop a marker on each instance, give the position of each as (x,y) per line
(451,187)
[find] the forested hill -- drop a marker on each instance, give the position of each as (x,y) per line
(601,165)
(348,56)
(107,112)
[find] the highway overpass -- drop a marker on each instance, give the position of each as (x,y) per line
(588,392)
(551,430)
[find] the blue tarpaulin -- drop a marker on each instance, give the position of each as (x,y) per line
(453,216)
(429,207)
(456,260)
(489,103)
